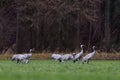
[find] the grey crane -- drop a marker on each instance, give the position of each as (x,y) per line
(66,57)
(56,56)
(19,58)
(88,56)
(27,56)
(78,56)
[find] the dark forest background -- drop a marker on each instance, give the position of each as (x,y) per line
(62,25)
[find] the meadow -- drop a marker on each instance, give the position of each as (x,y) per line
(54,70)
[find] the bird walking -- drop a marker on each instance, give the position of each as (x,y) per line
(66,57)
(22,57)
(88,56)
(56,56)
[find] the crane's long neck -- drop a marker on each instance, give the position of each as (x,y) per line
(82,49)
(30,52)
(94,51)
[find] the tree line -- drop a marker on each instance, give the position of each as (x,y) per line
(49,25)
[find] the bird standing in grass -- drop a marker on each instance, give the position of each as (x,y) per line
(78,56)
(56,57)
(27,56)
(88,56)
(66,57)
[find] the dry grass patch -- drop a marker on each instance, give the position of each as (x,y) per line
(97,56)
(107,56)
(41,56)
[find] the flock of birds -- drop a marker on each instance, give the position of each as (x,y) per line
(74,57)
(24,58)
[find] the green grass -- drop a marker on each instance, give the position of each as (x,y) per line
(52,70)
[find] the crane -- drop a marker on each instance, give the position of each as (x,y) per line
(78,56)
(89,56)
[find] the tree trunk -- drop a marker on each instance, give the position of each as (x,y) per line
(78,32)
(18,27)
(38,29)
(107,25)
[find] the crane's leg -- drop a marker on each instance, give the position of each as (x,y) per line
(83,61)
(18,60)
(78,60)
(26,61)
(74,61)
(59,60)
(88,61)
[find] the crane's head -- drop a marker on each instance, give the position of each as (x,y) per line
(81,45)
(93,47)
(31,50)
(74,54)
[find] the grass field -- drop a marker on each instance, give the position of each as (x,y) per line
(52,70)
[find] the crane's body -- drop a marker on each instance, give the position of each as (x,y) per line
(66,57)
(56,56)
(78,56)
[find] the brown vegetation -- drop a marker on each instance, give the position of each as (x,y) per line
(44,56)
